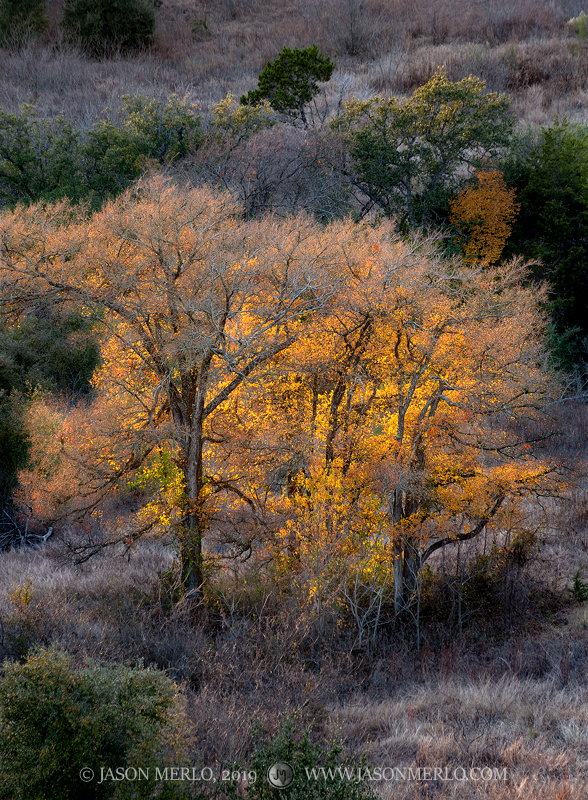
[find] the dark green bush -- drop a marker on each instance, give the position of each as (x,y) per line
(20,20)
(57,353)
(291,81)
(103,27)
(549,170)
(151,130)
(14,447)
(57,718)
(294,747)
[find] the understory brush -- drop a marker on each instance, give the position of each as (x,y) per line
(496,695)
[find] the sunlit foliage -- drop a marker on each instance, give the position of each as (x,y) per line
(483,214)
(326,397)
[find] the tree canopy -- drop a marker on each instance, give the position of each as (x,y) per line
(285,385)
(291,81)
(405,155)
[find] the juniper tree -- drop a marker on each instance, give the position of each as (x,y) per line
(291,81)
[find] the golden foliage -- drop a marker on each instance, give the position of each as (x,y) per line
(347,397)
(484,214)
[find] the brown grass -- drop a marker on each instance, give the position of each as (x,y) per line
(532,728)
(517,702)
(205,49)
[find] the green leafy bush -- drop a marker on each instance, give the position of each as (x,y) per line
(49,159)
(549,171)
(169,129)
(291,81)
(20,20)
(39,158)
(151,131)
(235,123)
(57,719)
(294,747)
(103,27)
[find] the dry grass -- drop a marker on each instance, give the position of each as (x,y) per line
(534,729)
(205,49)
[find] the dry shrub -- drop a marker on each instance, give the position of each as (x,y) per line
(209,48)
(282,169)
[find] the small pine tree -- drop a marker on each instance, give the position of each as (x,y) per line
(580,588)
(291,81)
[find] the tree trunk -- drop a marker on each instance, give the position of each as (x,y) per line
(406,574)
(405,555)
(193,526)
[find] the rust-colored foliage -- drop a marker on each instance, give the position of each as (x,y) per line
(347,397)
(483,214)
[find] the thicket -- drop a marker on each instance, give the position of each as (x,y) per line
(103,27)
(51,159)
(405,157)
(20,20)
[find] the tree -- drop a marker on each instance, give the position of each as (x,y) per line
(104,26)
(550,176)
(408,422)
(405,156)
(483,214)
(328,388)
(291,81)
(193,303)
